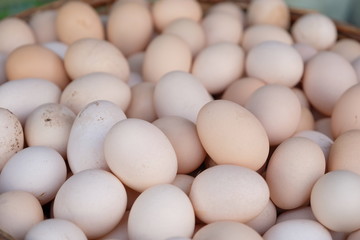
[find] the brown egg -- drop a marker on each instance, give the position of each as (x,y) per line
(92,55)
(141,103)
(131,38)
(326,77)
(274,12)
(259,33)
(266,219)
(266,61)
(166,11)
(221,27)
(164,54)
(346,112)
(278,109)
(237,194)
(240,90)
(348,48)
(35,61)
(218,65)
(335,200)
(231,134)
(14,33)
(226,230)
(229,8)
(293,169)
(306,120)
(76,20)
(183,136)
(43,25)
(344,153)
(316,30)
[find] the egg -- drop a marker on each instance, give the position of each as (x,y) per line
(19,212)
(259,33)
(266,61)
(305,50)
(184,182)
(278,109)
(164,54)
(183,136)
(230,8)
(324,142)
(326,77)
(274,12)
(77,20)
(302,97)
(323,125)
(297,229)
(95,86)
(230,134)
(297,213)
(120,231)
(354,235)
(131,38)
(87,135)
(140,154)
(348,48)
(159,206)
(356,65)
(11,136)
(58,48)
(190,31)
(294,167)
(180,94)
(3,58)
(316,30)
(16,97)
(136,61)
(237,194)
(166,11)
(36,61)
(219,65)
(15,32)
(43,25)
(52,228)
(306,120)
(226,230)
(266,219)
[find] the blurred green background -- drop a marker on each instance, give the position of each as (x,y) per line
(342,10)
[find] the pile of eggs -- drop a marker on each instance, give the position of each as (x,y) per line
(167,121)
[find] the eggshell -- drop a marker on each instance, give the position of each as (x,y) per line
(14,33)
(266,61)
(302,97)
(259,33)
(134,37)
(51,229)
(226,230)
(77,20)
(180,94)
(92,55)
(219,65)
(298,213)
(240,90)
(38,170)
(49,125)
(164,54)
(323,125)
(166,11)
(36,61)
(120,232)
(306,120)
(136,62)
(344,153)
(335,200)
(356,65)
(58,48)
(354,235)
(298,229)
(345,114)
(221,27)
(278,109)
(183,137)
(16,97)
(95,86)
(11,136)
(319,138)
(159,206)
(348,48)
(98,216)
(3,58)
(316,30)
(229,8)
(237,194)
(326,77)
(140,154)
(230,134)
(305,50)
(294,167)
(190,31)
(43,25)
(183,182)
(19,212)
(266,219)
(87,135)
(141,103)
(274,12)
